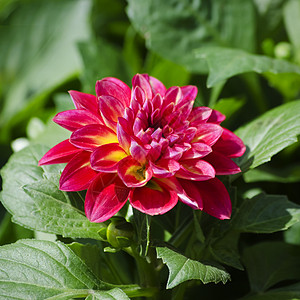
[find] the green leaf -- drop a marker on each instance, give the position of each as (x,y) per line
(284,175)
(291,16)
(269,134)
(291,292)
(175,28)
(109,63)
(292,235)
(269,263)
(182,269)
(31,194)
(266,214)
(224,63)
(10,232)
(32,269)
(38,54)
(114,294)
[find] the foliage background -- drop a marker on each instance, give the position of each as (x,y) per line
(243,56)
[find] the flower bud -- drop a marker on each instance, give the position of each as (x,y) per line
(120,233)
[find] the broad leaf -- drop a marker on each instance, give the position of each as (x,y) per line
(174,28)
(269,134)
(291,15)
(32,269)
(284,175)
(114,294)
(292,235)
(39,54)
(266,214)
(182,269)
(31,194)
(268,263)
(224,63)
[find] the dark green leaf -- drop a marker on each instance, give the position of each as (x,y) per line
(32,269)
(142,223)
(291,292)
(268,263)
(31,194)
(38,53)
(269,134)
(10,232)
(109,63)
(224,63)
(182,269)
(175,28)
(266,214)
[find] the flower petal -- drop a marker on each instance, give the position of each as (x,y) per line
(197,150)
(195,169)
(76,118)
(84,101)
(208,133)
(142,80)
(222,164)
(216,117)
(230,144)
(123,135)
(153,199)
(105,197)
(216,200)
(199,115)
(164,168)
(111,109)
(189,92)
(191,194)
(132,173)
(106,157)
(92,136)
(157,86)
(61,153)
(114,87)
(78,174)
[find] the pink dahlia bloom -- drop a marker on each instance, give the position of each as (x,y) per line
(146,144)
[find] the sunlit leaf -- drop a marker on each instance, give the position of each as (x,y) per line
(182,269)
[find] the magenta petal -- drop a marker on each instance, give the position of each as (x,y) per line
(173,95)
(92,136)
(106,157)
(208,133)
(196,170)
(105,197)
(132,173)
(76,118)
(191,195)
(123,135)
(216,200)
(61,153)
(153,199)
(141,81)
(197,150)
(157,86)
(78,174)
(189,92)
(114,87)
(164,168)
(199,115)
(222,164)
(230,144)
(84,101)
(216,117)
(111,109)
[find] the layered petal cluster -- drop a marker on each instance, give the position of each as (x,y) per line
(146,144)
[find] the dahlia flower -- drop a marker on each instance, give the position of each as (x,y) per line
(146,144)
